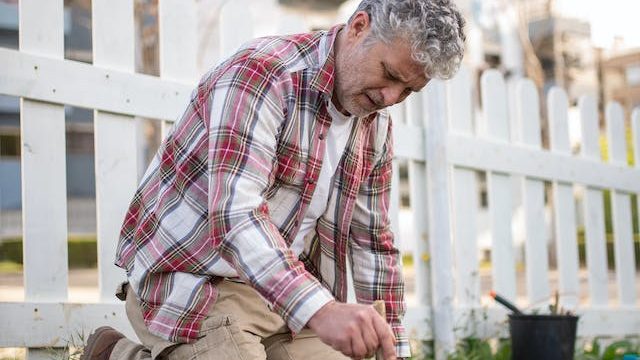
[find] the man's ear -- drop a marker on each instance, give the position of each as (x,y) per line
(359,26)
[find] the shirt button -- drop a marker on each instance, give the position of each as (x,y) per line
(321,136)
(310,180)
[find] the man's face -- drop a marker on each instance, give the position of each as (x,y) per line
(373,75)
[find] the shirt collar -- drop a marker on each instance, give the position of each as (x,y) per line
(324,79)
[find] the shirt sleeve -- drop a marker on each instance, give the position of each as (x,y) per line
(375,260)
(246,116)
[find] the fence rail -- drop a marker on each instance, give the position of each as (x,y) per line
(436,133)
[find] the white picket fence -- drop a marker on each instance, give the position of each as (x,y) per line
(434,132)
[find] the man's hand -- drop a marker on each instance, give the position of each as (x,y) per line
(356,331)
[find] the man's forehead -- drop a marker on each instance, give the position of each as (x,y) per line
(408,71)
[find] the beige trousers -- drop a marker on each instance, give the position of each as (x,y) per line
(239,326)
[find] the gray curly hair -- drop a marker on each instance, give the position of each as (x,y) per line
(434,28)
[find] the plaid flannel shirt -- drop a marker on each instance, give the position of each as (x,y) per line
(229,187)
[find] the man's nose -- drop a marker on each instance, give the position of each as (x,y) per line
(392,94)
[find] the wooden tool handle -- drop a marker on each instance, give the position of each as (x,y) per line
(378,305)
(380,309)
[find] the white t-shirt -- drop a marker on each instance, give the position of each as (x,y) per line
(336,139)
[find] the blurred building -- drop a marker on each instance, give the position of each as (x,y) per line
(621,79)
(564,48)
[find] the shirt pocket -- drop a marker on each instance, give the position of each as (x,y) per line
(291,168)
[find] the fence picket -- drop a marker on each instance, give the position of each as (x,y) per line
(419,205)
(439,218)
(42,130)
(115,139)
(236,26)
(42,134)
(621,209)
(536,259)
(594,229)
(564,205)
(499,186)
(465,198)
(178,33)
(397,114)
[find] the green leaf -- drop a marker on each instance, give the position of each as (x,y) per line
(504,350)
(616,350)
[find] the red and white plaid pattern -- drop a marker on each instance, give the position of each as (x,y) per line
(230,185)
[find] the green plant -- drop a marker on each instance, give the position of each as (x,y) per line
(466,349)
(592,350)
(480,349)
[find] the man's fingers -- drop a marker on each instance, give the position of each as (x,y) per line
(367,327)
(385,338)
(358,347)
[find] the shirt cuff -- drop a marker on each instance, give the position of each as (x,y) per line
(317,297)
(403,349)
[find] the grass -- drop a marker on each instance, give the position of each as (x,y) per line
(82,252)
(10,267)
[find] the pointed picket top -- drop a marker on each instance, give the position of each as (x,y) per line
(590,130)
(528,110)
(616,140)
(236,26)
(494,102)
(461,102)
(559,120)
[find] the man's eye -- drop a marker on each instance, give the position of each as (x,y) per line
(388,75)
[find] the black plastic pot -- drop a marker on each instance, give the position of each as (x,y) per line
(538,337)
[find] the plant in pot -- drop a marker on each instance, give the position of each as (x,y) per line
(541,336)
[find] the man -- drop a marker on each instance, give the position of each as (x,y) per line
(236,241)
